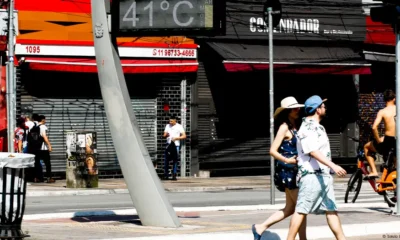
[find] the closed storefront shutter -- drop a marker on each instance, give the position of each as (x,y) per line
(206,116)
(88,114)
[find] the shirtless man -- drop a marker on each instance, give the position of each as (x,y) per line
(382,145)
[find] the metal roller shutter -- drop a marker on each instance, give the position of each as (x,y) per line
(88,114)
(206,116)
(335,143)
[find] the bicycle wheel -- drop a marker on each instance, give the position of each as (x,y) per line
(353,186)
(390,197)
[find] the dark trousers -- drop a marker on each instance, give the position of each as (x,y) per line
(45,156)
(174,163)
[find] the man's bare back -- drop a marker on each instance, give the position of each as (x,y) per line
(388,116)
(386,143)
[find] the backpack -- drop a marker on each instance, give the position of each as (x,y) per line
(35,140)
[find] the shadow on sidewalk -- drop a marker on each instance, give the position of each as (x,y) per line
(134,219)
(382,210)
(267,235)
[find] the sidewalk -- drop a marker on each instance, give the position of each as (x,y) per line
(114,186)
(361,223)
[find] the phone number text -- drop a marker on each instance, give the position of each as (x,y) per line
(174,52)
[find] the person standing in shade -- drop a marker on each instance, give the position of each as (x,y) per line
(44,153)
(174,133)
(33,146)
(316,192)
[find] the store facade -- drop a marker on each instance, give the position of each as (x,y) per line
(379,51)
(317,50)
(57,77)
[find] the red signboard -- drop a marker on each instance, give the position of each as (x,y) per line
(379,33)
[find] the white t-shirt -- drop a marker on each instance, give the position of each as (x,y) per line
(311,137)
(43,131)
(30,124)
(174,132)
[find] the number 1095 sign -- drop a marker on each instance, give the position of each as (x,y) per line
(155,16)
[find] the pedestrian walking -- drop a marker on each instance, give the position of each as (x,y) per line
(316,193)
(284,149)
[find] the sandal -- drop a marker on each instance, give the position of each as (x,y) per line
(255,234)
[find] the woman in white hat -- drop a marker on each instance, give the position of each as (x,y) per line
(284,150)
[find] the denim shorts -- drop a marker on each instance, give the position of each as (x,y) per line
(316,194)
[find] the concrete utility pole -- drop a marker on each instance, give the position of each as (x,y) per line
(10,81)
(147,192)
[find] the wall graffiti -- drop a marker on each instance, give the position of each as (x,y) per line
(369,104)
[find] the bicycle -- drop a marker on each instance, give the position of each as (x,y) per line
(384,186)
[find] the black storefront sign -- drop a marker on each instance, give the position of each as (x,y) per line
(318,20)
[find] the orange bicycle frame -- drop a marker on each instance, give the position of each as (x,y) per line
(386,183)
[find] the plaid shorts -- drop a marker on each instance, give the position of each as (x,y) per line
(316,194)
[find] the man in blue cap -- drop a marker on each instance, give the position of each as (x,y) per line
(315,183)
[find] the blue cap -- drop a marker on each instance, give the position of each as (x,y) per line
(313,103)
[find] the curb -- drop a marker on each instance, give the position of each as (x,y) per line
(215,189)
(82,192)
(188,209)
(320,232)
(43,193)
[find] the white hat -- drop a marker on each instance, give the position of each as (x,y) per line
(287,103)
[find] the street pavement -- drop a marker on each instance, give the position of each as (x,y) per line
(215,208)
(75,203)
(115,186)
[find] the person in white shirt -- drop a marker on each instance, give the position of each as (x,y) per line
(44,153)
(316,191)
(30,122)
(33,174)
(174,132)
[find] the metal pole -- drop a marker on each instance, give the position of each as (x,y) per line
(10,80)
(183,123)
(271,101)
(397,114)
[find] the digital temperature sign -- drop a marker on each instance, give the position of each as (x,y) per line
(169,17)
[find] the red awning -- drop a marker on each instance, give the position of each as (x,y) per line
(292,59)
(349,69)
(128,65)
